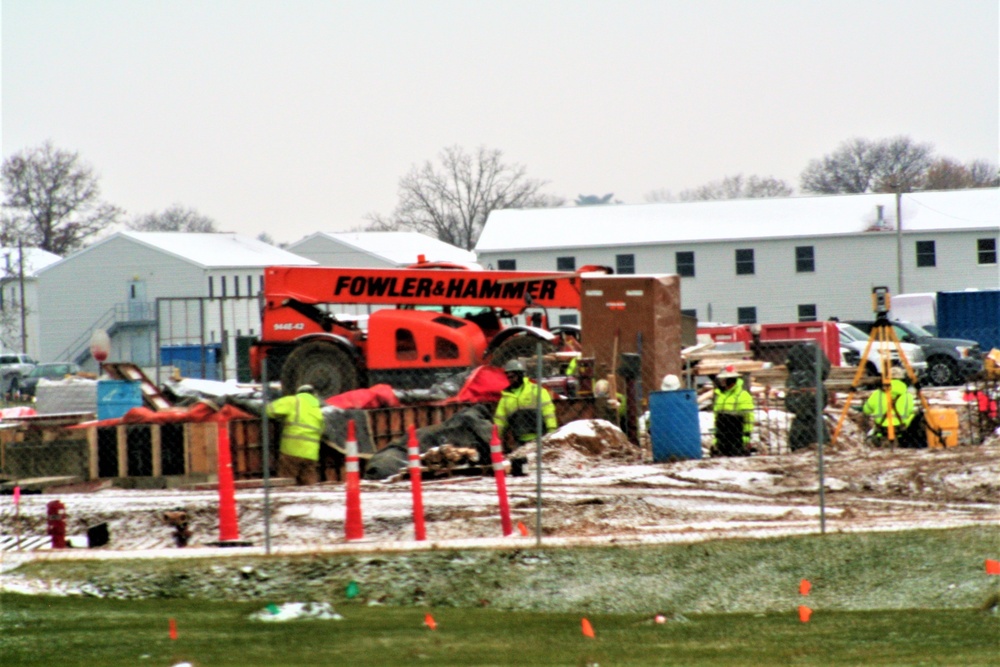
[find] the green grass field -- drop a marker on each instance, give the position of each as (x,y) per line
(87,631)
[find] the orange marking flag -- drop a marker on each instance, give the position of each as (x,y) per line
(992,566)
(429,622)
(804,587)
(588,629)
(173,629)
(522,528)
(804,613)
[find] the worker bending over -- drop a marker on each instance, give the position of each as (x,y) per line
(301,431)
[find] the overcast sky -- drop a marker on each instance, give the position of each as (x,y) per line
(295,116)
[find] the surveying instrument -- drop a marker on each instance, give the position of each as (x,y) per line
(885,335)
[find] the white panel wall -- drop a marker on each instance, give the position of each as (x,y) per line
(76,292)
(847,267)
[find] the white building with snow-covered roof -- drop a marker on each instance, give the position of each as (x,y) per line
(154,290)
(375,250)
(19,298)
(767,260)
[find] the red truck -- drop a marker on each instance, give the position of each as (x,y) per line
(424,322)
(825,333)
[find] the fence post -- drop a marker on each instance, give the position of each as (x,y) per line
(819,437)
(265,439)
(538,449)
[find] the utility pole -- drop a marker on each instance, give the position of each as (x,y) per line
(20,278)
(899,239)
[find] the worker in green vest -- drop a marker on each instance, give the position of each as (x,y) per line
(517,409)
(302,428)
(899,410)
(734,415)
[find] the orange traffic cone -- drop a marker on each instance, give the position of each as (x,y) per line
(588,629)
(354,528)
(804,613)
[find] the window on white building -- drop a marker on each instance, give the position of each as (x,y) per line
(926,254)
(744,262)
(684,262)
(746,315)
(987,251)
(805,259)
(625,264)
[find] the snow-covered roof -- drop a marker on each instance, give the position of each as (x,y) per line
(35,259)
(721,220)
(221,250)
(399,248)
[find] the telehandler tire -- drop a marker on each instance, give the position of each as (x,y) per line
(323,365)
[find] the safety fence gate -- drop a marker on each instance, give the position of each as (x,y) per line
(206,337)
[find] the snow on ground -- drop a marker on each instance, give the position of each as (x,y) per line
(595,489)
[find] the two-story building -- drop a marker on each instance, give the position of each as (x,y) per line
(767,260)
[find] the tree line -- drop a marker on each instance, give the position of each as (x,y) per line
(52,198)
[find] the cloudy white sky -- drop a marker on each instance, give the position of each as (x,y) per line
(296,116)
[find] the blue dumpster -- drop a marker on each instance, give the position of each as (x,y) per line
(193,361)
(673,425)
(116,397)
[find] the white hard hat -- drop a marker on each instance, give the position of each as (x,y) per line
(670,383)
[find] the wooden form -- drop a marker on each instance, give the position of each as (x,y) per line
(153,450)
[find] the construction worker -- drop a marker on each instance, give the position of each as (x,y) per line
(734,416)
(301,431)
(903,408)
(518,404)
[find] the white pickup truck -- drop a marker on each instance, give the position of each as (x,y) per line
(14,367)
(852,345)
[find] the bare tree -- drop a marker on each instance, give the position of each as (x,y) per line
(851,168)
(903,164)
(53,200)
(947,174)
(173,219)
(452,202)
(985,174)
(738,187)
(861,165)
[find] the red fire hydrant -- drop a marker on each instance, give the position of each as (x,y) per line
(57,524)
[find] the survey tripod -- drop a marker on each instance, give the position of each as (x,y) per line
(884,334)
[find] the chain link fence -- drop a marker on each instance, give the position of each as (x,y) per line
(734,408)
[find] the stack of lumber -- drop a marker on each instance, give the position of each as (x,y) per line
(704,359)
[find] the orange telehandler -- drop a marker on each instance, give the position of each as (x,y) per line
(423,323)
